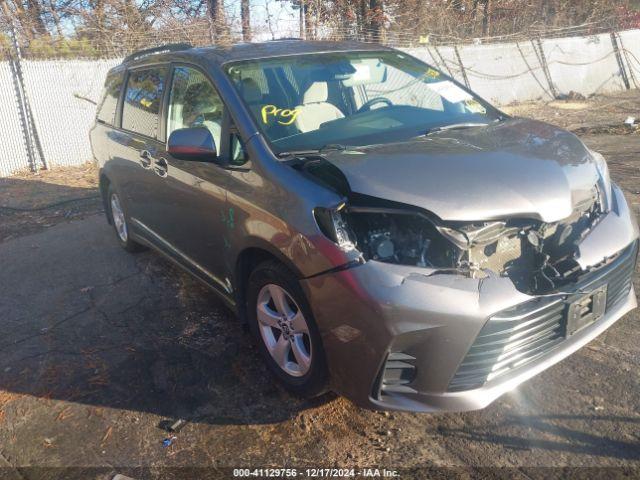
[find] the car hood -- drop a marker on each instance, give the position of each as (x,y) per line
(515,168)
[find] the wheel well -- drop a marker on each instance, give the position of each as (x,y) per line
(104,189)
(248,260)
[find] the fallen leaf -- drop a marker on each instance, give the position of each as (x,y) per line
(107,435)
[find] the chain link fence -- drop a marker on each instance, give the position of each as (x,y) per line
(47,106)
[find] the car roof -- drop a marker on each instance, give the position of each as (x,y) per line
(247,51)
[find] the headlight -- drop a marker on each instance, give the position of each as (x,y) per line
(604,182)
(405,238)
(538,257)
(402,238)
(412,238)
(334,226)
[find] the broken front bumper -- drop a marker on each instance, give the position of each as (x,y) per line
(399,338)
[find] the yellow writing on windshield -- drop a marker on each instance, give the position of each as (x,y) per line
(284,116)
(431,73)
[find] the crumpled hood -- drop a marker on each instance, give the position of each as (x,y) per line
(516,168)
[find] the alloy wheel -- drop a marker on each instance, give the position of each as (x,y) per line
(118,218)
(284,330)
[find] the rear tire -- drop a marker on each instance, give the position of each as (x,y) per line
(281,322)
(120,222)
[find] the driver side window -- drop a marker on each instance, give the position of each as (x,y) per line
(194,102)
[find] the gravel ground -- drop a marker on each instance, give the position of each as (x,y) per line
(102,349)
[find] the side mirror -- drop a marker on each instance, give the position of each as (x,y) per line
(194,143)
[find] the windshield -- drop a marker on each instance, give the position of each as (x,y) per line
(307,102)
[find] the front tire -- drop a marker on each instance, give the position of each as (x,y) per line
(283,326)
(120,223)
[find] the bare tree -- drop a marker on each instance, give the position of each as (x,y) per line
(245,18)
(115,26)
(217,20)
(376,19)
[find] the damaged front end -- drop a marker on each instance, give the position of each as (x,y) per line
(467,310)
(538,257)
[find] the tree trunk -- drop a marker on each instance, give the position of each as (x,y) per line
(362,20)
(216,20)
(301,20)
(486,18)
(36,18)
(308,21)
(245,15)
(56,18)
(376,19)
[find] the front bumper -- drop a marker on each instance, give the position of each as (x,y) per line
(399,338)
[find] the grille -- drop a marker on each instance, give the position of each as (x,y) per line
(523,333)
(396,375)
(618,276)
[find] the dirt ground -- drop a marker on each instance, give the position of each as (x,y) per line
(32,202)
(102,349)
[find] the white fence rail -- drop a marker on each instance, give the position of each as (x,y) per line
(58,90)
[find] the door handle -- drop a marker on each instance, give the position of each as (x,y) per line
(145,159)
(161,166)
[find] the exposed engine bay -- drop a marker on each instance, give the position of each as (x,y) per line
(538,257)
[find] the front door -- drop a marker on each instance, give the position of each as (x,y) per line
(192,200)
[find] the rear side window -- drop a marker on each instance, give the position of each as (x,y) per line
(142,100)
(107,109)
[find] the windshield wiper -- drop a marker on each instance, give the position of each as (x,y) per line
(305,153)
(332,146)
(297,153)
(455,126)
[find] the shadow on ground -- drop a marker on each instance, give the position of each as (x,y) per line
(35,193)
(557,434)
(28,205)
(86,322)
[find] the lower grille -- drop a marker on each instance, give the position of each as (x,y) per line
(521,334)
(397,373)
(510,339)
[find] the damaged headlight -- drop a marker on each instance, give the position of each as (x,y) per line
(604,182)
(538,257)
(394,236)
(334,226)
(407,237)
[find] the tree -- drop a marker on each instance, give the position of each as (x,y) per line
(376,19)
(245,19)
(217,21)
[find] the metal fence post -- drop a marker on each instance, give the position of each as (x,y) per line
(29,130)
(545,66)
(621,48)
(444,62)
(623,71)
(464,73)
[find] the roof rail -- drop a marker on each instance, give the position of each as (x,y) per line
(285,39)
(171,47)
